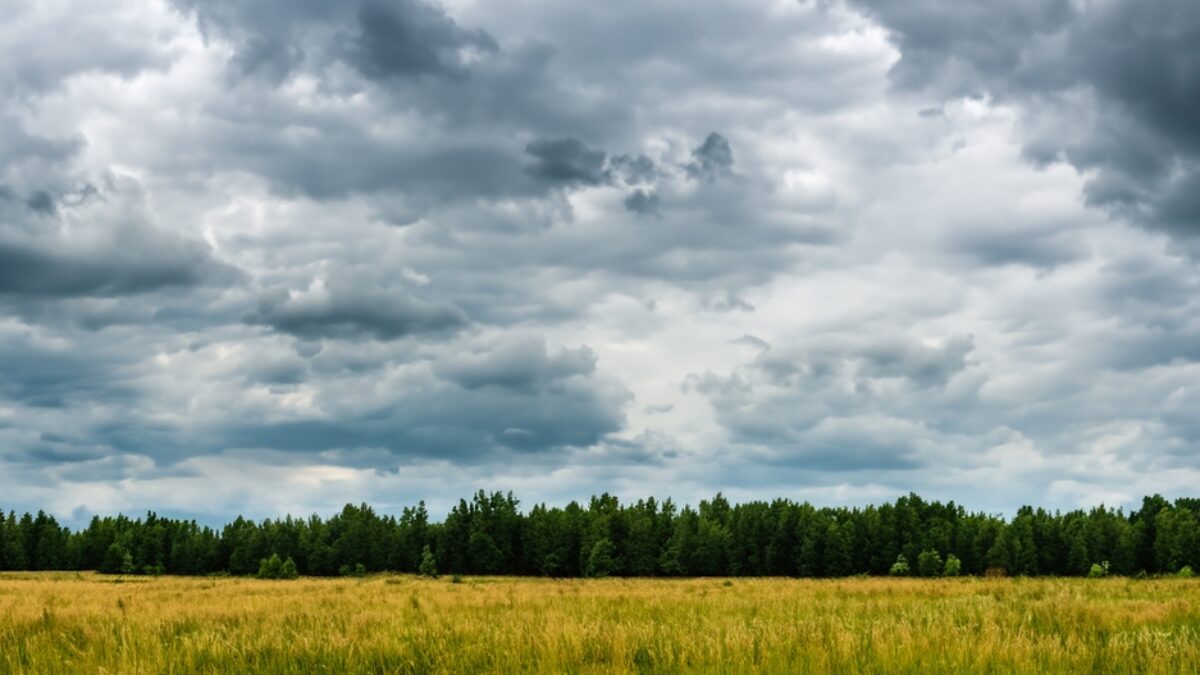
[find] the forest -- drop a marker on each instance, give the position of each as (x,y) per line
(490,534)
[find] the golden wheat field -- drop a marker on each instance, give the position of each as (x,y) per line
(53,623)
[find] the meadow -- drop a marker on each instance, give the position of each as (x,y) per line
(69,622)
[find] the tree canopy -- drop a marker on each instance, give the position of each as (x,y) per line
(490,534)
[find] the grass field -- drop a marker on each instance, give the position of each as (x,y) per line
(52,623)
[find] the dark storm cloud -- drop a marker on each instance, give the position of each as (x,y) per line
(353,312)
(514,396)
(924,365)
(523,365)
(41,202)
(407,38)
(567,161)
(462,100)
(713,159)
(45,376)
(382,39)
(1016,246)
(1111,87)
(56,269)
(197,273)
(635,169)
(98,244)
(642,201)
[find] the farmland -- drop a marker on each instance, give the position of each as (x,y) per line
(85,622)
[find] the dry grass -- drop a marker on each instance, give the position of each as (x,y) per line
(52,623)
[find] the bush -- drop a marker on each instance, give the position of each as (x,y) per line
(456,579)
(359,570)
(270,568)
(1185,572)
(900,567)
(929,563)
(288,570)
(1096,571)
(953,566)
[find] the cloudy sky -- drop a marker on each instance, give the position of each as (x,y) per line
(272,256)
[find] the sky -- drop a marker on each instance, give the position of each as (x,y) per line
(274,256)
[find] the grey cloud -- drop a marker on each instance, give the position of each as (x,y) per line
(269,58)
(42,376)
(923,364)
(522,153)
(41,202)
(18,146)
(843,403)
(752,341)
(841,445)
(523,365)
(1111,87)
(407,38)
(641,201)
(515,396)
(1014,245)
(567,161)
(713,159)
(635,169)
(284,370)
(41,269)
(96,37)
(351,312)
(380,39)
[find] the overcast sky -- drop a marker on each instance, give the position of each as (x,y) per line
(272,256)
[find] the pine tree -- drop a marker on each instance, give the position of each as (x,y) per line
(837,552)
(1077,559)
(428,566)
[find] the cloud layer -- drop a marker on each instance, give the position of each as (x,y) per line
(274,256)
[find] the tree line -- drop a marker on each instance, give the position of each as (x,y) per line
(490,534)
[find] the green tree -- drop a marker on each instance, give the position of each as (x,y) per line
(485,556)
(270,568)
(428,567)
(900,567)
(1078,561)
(12,544)
(953,566)
(600,561)
(288,569)
(837,559)
(1176,539)
(929,563)
(114,559)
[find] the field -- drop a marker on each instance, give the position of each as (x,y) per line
(51,623)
